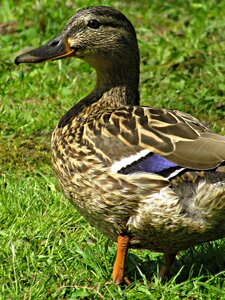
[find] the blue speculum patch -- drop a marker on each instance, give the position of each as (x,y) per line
(151,163)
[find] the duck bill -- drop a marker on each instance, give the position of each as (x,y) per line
(57,48)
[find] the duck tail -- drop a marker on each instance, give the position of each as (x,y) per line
(210,200)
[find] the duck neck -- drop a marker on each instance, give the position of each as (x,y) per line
(116,86)
(117,92)
(121,82)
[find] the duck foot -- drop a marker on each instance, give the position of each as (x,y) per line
(119,264)
(168,261)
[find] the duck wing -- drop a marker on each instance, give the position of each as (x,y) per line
(151,136)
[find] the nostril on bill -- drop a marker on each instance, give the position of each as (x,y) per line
(54,43)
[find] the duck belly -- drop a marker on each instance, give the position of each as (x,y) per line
(152,215)
(166,224)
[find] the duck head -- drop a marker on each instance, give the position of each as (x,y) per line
(100,35)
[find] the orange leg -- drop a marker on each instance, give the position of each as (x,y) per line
(119,264)
(169,259)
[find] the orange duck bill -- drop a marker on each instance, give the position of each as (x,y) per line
(57,48)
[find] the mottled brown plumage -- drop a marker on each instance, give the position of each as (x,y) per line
(153,177)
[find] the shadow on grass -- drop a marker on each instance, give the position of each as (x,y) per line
(201,261)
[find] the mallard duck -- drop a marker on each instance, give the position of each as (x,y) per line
(146,177)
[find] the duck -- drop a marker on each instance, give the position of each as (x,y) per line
(146,177)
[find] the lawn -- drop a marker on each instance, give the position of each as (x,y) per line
(47,250)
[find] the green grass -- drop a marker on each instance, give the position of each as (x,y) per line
(47,251)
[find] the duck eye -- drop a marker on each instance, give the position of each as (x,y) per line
(93,24)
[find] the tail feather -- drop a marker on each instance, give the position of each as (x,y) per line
(209,200)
